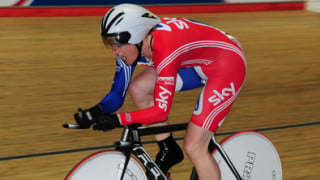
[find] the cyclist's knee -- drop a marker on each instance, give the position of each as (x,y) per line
(141,94)
(141,88)
(196,142)
(134,89)
(195,151)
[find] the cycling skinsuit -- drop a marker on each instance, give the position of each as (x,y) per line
(186,55)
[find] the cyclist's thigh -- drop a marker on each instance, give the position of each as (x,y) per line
(225,79)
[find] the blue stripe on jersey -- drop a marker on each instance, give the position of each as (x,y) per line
(115,98)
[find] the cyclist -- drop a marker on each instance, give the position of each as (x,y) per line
(179,54)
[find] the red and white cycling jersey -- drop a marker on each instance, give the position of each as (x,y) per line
(179,43)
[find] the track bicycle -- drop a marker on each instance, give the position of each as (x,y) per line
(246,155)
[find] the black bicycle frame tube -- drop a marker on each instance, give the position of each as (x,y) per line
(131,143)
(129,139)
(162,129)
(147,161)
(127,153)
(132,134)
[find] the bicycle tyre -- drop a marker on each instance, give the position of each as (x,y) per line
(253,155)
(106,165)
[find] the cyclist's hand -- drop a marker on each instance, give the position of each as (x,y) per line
(106,122)
(85,118)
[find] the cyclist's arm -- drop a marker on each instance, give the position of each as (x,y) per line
(115,98)
(165,87)
(189,78)
(163,95)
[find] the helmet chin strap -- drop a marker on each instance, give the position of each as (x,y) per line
(139,47)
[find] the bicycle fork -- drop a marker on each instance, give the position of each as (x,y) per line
(130,143)
(124,164)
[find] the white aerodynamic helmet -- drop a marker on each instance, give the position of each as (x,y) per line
(128,23)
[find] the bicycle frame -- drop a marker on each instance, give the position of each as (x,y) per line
(131,143)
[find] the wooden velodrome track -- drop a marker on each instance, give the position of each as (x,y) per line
(52,65)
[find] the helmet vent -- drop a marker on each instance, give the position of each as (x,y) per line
(104,21)
(119,21)
(130,23)
(115,18)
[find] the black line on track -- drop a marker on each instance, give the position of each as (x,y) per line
(148,142)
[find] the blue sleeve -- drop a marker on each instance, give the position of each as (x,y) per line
(115,98)
(188,78)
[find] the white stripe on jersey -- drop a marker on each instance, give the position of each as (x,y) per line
(196,45)
(197,61)
(127,73)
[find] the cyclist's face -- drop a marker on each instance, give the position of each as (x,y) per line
(127,52)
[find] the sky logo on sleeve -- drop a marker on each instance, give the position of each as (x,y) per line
(164,95)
